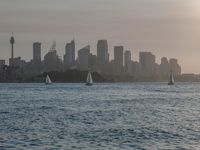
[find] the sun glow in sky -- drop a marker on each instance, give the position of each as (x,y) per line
(168,28)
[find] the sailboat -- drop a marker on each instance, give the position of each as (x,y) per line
(48,80)
(89,80)
(171,79)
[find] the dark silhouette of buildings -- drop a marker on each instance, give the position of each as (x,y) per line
(118,60)
(83,58)
(69,57)
(174,66)
(128,63)
(102,52)
(164,68)
(92,62)
(37,52)
(2,64)
(102,55)
(52,62)
(121,66)
(35,66)
(147,63)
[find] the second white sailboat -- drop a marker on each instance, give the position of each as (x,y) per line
(89,80)
(48,80)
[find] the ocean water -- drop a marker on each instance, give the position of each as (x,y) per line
(143,116)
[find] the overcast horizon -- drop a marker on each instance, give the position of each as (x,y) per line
(169,28)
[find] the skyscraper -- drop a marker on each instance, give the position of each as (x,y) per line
(92,62)
(128,63)
(118,60)
(164,68)
(69,57)
(174,66)
(102,52)
(36,52)
(118,55)
(127,55)
(51,60)
(102,56)
(83,58)
(147,63)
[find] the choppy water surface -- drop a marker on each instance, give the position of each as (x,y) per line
(103,116)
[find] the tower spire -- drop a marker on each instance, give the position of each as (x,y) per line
(12,41)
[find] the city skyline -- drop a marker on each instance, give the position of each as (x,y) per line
(121,65)
(120,59)
(164,27)
(62,52)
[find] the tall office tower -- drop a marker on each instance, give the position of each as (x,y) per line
(102,52)
(51,60)
(12,41)
(136,68)
(69,57)
(102,56)
(118,55)
(128,63)
(118,60)
(175,68)
(164,67)
(92,62)
(83,58)
(147,63)
(37,52)
(127,55)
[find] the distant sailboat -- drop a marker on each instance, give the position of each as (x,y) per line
(48,80)
(171,79)
(89,80)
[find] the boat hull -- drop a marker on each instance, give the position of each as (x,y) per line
(88,84)
(48,83)
(170,83)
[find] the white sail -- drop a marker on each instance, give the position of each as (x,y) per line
(89,80)
(48,80)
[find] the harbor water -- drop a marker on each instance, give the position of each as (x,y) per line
(143,116)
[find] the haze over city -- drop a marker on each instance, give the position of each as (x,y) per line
(165,27)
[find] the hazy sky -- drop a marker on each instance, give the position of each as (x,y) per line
(168,28)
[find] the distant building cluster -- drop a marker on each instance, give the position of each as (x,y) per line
(121,65)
